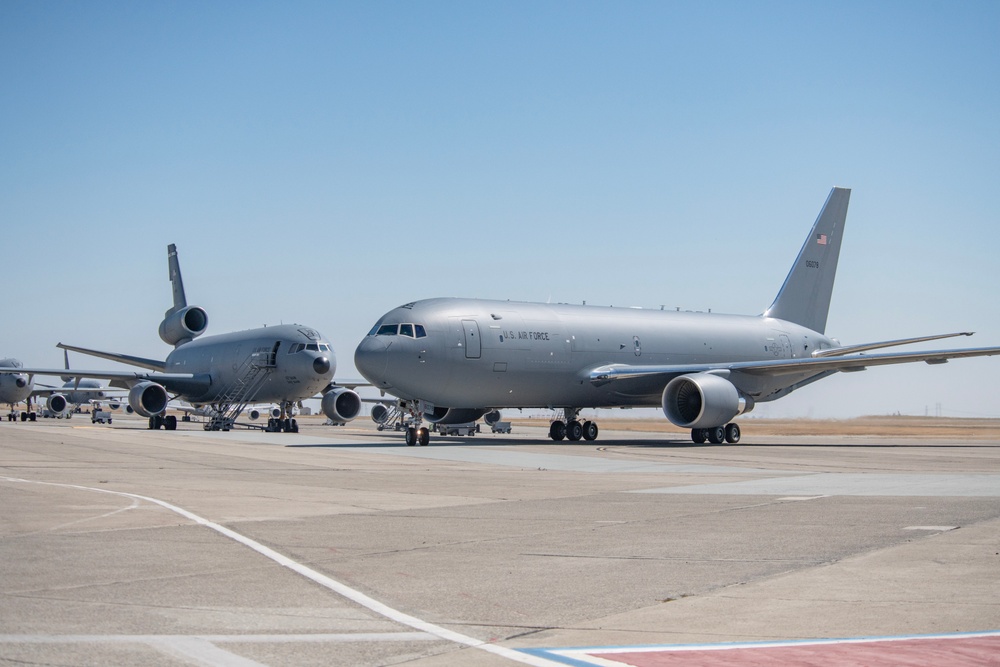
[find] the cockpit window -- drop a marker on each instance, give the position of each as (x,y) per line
(406,330)
(420,330)
(296,347)
(387,330)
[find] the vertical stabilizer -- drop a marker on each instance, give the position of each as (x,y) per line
(180,301)
(805,297)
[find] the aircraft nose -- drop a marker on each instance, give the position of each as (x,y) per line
(370,359)
(321,365)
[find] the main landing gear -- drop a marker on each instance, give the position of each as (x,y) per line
(571,428)
(716,435)
(417,436)
(167,422)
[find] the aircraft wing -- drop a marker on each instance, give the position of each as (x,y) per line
(807,365)
(141,362)
(175,383)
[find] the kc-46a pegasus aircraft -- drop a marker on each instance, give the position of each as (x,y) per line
(278,364)
(451,361)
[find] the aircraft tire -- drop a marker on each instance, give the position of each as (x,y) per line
(293,426)
(411,436)
(155,422)
(557,431)
(170,423)
(699,436)
(590,431)
(574,430)
(717,435)
(423,437)
(732,433)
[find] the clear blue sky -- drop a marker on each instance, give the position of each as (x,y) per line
(325,162)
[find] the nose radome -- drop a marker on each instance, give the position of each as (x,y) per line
(321,365)
(370,359)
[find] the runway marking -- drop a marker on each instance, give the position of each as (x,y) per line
(943,529)
(327,582)
(971,649)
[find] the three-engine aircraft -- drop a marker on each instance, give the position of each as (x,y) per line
(452,360)
(280,364)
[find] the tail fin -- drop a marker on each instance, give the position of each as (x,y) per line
(180,301)
(805,297)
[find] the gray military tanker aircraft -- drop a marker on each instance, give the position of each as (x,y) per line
(16,386)
(452,361)
(279,364)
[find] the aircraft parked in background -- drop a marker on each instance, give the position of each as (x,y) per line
(15,387)
(451,361)
(64,401)
(280,364)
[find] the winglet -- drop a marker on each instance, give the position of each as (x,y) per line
(804,298)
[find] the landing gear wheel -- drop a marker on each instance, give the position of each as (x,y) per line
(169,423)
(732,433)
(557,431)
(716,435)
(423,437)
(589,431)
(411,436)
(293,426)
(155,422)
(574,430)
(699,436)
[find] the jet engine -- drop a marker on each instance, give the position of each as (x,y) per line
(492,417)
(380,413)
(703,400)
(115,404)
(183,325)
(57,404)
(272,412)
(341,404)
(147,399)
(454,415)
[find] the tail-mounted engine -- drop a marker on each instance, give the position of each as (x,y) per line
(341,404)
(184,325)
(703,400)
(147,399)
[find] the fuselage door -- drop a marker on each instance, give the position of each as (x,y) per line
(473,346)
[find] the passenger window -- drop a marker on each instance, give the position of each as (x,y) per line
(406,330)
(387,330)
(420,330)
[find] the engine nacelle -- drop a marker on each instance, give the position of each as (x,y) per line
(272,412)
(492,417)
(341,405)
(147,399)
(115,404)
(380,413)
(703,400)
(57,404)
(183,325)
(454,415)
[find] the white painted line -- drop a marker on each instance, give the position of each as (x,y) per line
(336,638)
(200,652)
(941,528)
(323,580)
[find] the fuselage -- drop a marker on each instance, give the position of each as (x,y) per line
(470,353)
(71,391)
(299,360)
(14,387)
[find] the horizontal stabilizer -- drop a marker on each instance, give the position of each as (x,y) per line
(864,347)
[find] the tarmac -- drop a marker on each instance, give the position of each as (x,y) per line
(342,546)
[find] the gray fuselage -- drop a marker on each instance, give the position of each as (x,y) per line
(300,359)
(14,387)
(477,353)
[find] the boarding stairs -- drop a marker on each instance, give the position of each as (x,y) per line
(250,377)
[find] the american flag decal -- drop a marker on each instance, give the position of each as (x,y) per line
(821,239)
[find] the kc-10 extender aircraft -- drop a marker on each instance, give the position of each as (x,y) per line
(451,361)
(278,364)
